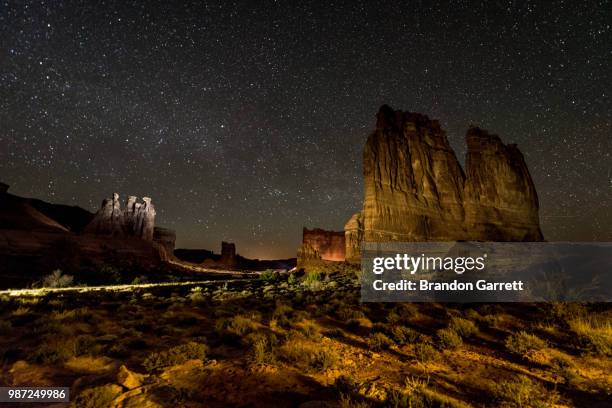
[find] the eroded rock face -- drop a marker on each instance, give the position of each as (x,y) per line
(416,190)
(109,220)
(307,253)
(501,203)
(137,220)
(413,181)
(329,244)
(353,236)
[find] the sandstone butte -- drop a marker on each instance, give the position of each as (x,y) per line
(416,190)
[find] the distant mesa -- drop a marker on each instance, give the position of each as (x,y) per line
(416,190)
(230,259)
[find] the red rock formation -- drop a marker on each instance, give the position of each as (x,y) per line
(416,190)
(353,236)
(501,203)
(329,244)
(228,254)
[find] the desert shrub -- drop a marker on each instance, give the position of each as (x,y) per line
(108,274)
(448,339)
(399,334)
(463,327)
(57,280)
(403,335)
(324,359)
(379,341)
(21,311)
(292,279)
(262,348)
(55,350)
(239,325)
(269,275)
(523,392)
(402,313)
(425,352)
(310,330)
(521,343)
(595,332)
(334,333)
(307,355)
(176,355)
(97,397)
(313,281)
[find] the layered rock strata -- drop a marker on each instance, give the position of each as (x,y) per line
(416,190)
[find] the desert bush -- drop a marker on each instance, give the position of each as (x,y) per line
(521,343)
(324,359)
(346,313)
(262,348)
(308,356)
(595,332)
(55,350)
(292,279)
(448,339)
(239,325)
(399,334)
(523,392)
(269,275)
(310,330)
(108,274)
(176,355)
(402,313)
(57,280)
(97,397)
(463,327)
(425,352)
(379,341)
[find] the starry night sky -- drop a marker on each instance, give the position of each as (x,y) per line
(245,121)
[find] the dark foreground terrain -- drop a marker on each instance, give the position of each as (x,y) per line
(283,340)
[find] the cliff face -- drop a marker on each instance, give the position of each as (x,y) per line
(416,190)
(412,179)
(329,244)
(501,203)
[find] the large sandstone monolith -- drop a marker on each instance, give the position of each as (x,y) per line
(412,180)
(416,190)
(500,200)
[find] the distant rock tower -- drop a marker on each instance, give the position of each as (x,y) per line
(228,254)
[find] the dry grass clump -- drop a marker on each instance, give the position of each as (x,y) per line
(523,392)
(176,355)
(463,327)
(522,343)
(595,332)
(306,355)
(379,341)
(448,339)
(425,352)
(233,329)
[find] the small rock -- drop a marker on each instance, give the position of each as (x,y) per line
(129,379)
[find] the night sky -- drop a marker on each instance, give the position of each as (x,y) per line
(245,121)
